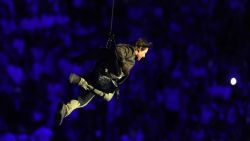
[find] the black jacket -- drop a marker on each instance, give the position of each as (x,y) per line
(114,63)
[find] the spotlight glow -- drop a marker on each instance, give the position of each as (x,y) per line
(233,81)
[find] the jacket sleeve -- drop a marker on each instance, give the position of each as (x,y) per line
(121,53)
(124,55)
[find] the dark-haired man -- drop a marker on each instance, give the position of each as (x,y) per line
(112,68)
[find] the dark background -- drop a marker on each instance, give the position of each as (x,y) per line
(181,91)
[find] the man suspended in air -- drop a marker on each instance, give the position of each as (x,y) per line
(112,67)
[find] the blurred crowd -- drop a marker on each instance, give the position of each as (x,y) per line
(181,91)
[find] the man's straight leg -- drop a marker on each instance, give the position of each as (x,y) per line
(64,110)
(80,102)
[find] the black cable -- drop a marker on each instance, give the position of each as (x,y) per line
(112,16)
(111,40)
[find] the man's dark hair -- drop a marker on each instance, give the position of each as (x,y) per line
(143,43)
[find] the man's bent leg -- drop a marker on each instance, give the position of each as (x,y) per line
(75,79)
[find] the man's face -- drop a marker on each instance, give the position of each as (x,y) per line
(141,53)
